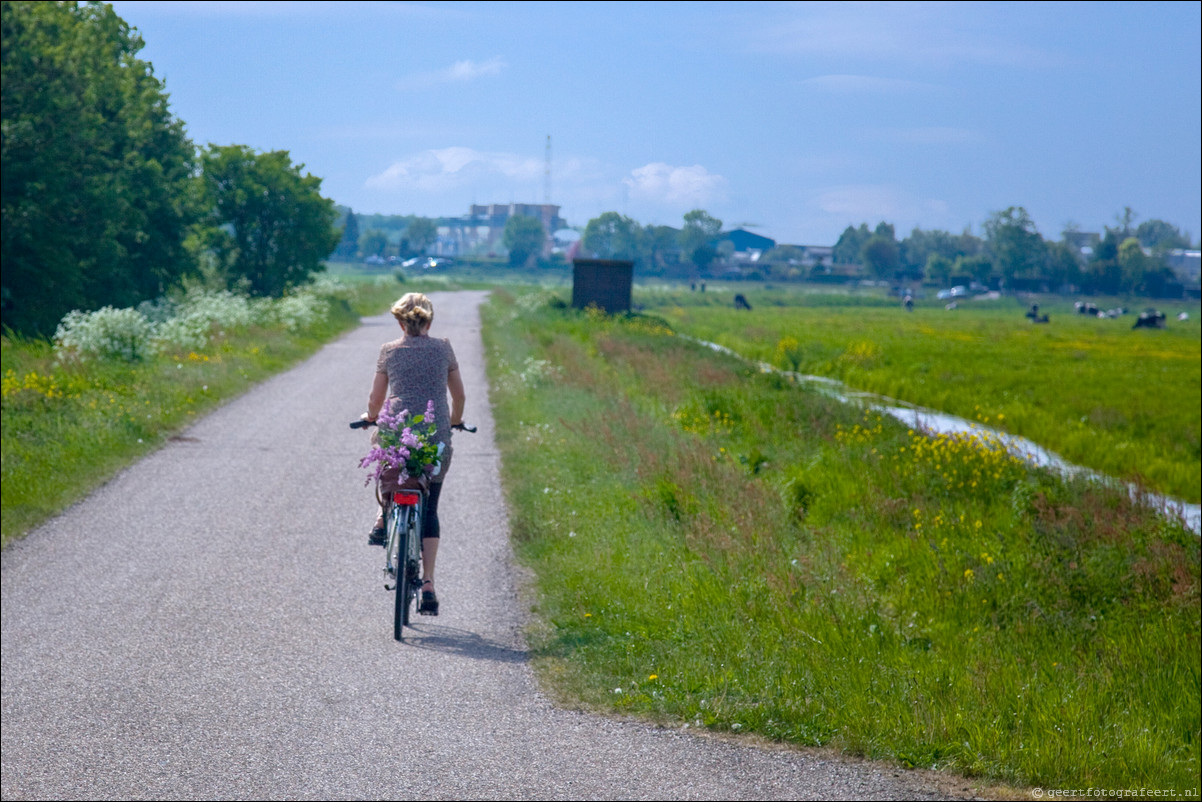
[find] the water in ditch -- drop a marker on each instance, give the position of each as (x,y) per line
(935,423)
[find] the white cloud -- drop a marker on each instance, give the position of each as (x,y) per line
(468,70)
(676,186)
(454,167)
(459,72)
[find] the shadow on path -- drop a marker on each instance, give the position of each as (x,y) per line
(462,643)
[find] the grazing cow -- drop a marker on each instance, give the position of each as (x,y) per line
(741,303)
(1152,319)
(908,302)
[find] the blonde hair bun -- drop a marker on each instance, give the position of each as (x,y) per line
(414,312)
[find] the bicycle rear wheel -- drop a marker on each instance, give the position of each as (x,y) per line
(414,561)
(404,581)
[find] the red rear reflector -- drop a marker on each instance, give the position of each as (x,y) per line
(406,499)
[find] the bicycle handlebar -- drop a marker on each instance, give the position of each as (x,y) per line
(363,423)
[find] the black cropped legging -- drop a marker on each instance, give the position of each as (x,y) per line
(430,526)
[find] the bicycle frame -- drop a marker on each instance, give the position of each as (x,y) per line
(404,517)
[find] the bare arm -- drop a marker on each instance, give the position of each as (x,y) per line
(379,392)
(455,386)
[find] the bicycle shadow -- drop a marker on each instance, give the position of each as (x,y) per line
(462,643)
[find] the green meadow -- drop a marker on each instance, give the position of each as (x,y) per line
(715,547)
(1123,402)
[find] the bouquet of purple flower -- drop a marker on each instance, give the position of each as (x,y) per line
(403,442)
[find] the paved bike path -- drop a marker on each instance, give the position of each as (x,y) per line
(212,624)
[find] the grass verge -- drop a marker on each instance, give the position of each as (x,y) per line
(717,548)
(67,428)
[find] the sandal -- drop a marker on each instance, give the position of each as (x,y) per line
(376,537)
(429,603)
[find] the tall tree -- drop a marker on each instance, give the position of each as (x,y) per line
(917,249)
(1014,243)
(851,241)
(524,237)
(95,172)
(879,255)
(348,247)
(612,236)
(697,237)
(938,269)
(373,242)
(1160,236)
(419,235)
(1061,267)
(269,223)
(978,267)
(660,246)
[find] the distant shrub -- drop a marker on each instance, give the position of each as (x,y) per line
(187,333)
(107,333)
(187,324)
(224,309)
(298,311)
(199,313)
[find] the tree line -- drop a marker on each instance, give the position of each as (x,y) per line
(1125,259)
(655,249)
(105,200)
(382,235)
(1012,254)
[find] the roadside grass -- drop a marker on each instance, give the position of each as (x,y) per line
(68,427)
(716,548)
(1122,402)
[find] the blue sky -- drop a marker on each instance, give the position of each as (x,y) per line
(795,118)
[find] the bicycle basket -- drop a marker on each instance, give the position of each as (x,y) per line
(389,485)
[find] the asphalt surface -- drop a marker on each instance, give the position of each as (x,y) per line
(212,624)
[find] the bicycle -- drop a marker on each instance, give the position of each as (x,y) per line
(404,515)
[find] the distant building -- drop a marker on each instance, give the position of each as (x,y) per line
(496,215)
(482,227)
(822,256)
(746,241)
(809,256)
(1186,266)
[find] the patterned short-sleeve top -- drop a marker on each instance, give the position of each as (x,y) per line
(417,369)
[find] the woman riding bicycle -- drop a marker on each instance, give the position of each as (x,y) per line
(416,369)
